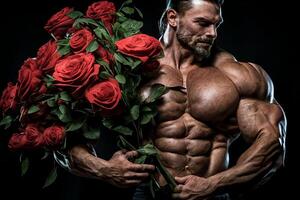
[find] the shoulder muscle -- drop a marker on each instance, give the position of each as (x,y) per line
(249,78)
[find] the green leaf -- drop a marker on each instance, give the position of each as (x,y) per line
(64,50)
(108,123)
(104,75)
(102,33)
(146,109)
(33,109)
(24,166)
(157,90)
(6,120)
(128,10)
(51,177)
(125,143)
(120,78)
(139,12)
(51,102)
(49,77)
(64,115)
(141,159)
(135,64)
(126,3)
(135,112)
(93,46)
(65,96)
(146,118)
(75,125)
(63,109)
(92,133)
(84,21)
(123,130)
(63,47)
(120,58)
(102,63)
(120,18)
(148,150)
(49,80)
(131,27)
(75,14)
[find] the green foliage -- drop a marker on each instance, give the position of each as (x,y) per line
(157,90)
(91,133)
(131,27)
(24,166)
(7,120)
(51,177)
(75,14)
(93,46)
(63,47)
(123,130)
(33,109)
(80,117)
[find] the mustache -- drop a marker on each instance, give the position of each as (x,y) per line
(205,40)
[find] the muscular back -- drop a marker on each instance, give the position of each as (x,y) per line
(197,116)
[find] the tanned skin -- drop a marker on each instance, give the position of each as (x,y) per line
(209,103)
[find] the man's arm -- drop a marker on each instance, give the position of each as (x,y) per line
(262,124)
(118,171)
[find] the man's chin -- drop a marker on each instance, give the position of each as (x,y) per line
(202,53)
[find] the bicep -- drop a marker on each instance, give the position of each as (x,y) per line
(256,117)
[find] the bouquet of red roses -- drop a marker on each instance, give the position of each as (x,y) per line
(89,75)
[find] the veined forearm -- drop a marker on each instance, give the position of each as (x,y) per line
(83,163)
(257,160)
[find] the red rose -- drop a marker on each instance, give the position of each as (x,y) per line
(29,79)
(8,98)
(17,141)
(105,95)
(76,72)
(104,11)
(80,40)
(60,22)
(53,136)
(104,55)
(29,139)
(47,57)
(139,46)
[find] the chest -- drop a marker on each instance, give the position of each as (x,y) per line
(205,93)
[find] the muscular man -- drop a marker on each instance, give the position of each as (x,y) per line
(212,99)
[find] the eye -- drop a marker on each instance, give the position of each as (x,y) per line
(203,23)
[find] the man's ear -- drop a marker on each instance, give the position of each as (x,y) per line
(172,18)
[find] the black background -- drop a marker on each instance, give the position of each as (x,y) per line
(263,33)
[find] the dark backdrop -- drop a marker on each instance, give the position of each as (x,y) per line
(262,33)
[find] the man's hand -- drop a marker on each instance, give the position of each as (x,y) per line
(123,173)
(193,187)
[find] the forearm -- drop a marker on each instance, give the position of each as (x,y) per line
(85,164)
(259,125)
(257,161)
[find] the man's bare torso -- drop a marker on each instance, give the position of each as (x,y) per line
(197,115)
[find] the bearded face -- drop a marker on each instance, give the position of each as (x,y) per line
(200,45)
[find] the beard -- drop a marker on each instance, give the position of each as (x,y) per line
(200,46)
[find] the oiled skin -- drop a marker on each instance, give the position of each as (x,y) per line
(209,102)
(197,116)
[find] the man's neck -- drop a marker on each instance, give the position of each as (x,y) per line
(175,54)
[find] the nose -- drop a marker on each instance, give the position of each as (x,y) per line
(211,32)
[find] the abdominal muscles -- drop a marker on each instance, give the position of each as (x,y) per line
(187,146)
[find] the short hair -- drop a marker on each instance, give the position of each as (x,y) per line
(179,6)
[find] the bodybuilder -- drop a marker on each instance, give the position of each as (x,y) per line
(212,99)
